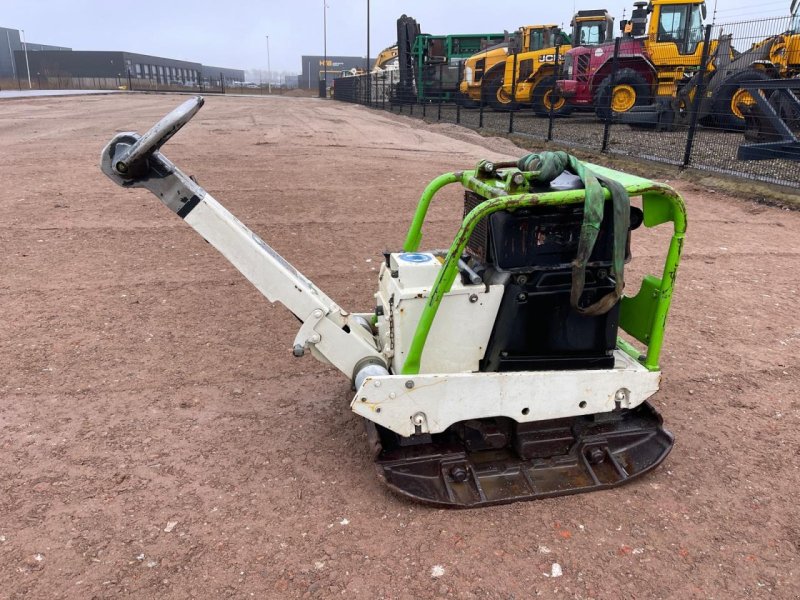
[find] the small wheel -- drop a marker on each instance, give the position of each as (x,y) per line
(543,99)
(630,89)
(730,98)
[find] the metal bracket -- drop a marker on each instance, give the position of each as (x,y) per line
(308,334)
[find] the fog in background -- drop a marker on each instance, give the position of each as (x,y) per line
(233,33)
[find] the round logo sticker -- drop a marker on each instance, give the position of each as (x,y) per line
(599,52)
(415,257)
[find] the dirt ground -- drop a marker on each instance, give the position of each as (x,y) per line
(158,439)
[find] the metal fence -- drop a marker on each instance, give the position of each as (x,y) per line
(216,86)
(697,119)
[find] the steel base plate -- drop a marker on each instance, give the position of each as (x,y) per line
(498,461)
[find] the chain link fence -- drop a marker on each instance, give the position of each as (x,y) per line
(708,99)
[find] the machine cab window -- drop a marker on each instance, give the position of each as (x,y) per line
(681,24)
(535,41)
(591,34)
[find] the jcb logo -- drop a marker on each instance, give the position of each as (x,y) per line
(547,58)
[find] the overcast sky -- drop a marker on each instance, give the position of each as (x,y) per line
(232,33)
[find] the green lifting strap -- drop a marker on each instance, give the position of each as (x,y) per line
(545,167)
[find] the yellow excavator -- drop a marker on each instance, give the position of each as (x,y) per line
(386,60)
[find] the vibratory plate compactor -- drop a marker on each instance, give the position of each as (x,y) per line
(495,370)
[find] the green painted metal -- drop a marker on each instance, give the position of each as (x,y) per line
(660,203)
(637,312)
(429,74)
(629,349)
(414,235)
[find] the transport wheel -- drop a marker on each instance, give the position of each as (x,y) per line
(730,98)
(543,99)
(492,90)
(630,89)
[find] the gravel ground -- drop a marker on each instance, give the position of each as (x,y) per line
(158,440)
(713,150)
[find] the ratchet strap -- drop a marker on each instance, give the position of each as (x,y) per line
(545,167)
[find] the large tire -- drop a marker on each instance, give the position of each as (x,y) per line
(466,101)
(542,96)
(724,106)
(492,89)
(630,89)
(786,110)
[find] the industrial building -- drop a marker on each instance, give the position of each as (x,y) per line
(92,63)
(10,42)
(314,68)
(44,62)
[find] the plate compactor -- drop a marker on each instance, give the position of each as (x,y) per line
(495,370)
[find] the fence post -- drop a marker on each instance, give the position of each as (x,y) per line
(130,84)
(513,96)
(553,95)
(222,82)
(458,92)
(607,124)
(439,115)
(480,113)
(699,92)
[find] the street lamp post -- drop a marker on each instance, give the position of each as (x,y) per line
(325,42)
(27,64)
(269,70)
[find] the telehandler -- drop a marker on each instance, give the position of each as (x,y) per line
(495,370)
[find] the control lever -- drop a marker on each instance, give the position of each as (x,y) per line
(332,334)
(129,161)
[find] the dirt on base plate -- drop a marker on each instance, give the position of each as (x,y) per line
(158,439)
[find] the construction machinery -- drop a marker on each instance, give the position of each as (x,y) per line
(653,56)
(522,78)
(386,60)
(471,90)
(773,121)
(430,65)
(497,369)
(773,118)
(663,60)
(522,71)
(725,85)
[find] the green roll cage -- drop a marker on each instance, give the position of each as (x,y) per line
(505,187)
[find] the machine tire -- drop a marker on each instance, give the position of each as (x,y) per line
(787,111)
(466,101)
(723,111)
(491,89)
(635,85)
(540,100)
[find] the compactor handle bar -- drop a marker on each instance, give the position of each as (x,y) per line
(332,334)
(129,161)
